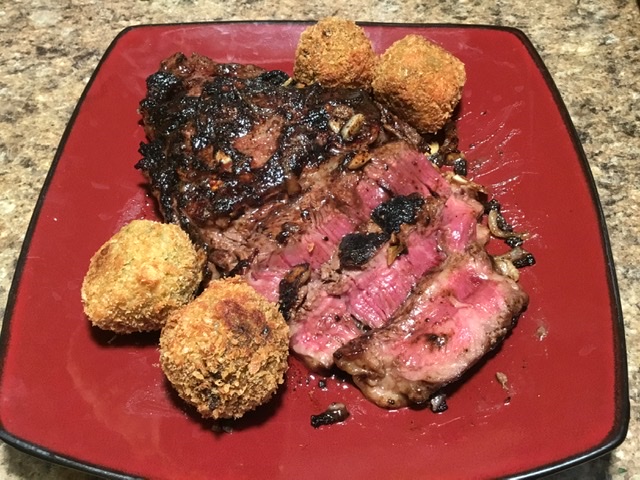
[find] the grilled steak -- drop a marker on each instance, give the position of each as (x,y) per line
(229,145)
(331,206)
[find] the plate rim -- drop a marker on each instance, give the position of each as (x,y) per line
(618,432)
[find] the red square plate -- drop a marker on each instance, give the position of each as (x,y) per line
(88,400)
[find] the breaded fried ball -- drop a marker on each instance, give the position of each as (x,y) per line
(140,275)
(225,352)
(420,82)
(334,53)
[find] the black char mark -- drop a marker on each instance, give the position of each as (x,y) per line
(356,249)
(335,413)
(391,214)
(290,285)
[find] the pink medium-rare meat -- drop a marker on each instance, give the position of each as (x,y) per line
(315,338)
(314,248)
(400,168)
(377,291)
(451,320)
(370,295)
(330,205)
(343,207)
(460,227)
(324,217)
(340,304)
(328,320)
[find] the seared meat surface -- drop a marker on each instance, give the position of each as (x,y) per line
(229,145)
(332,207)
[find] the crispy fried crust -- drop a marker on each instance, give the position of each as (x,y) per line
(139,276)
(226,352)
(420,82)
(335,53)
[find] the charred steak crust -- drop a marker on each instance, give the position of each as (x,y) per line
(330,205)
(228,138)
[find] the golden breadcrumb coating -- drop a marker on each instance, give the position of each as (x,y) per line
(420,82)
(334,53)
(226,352)
(140,275)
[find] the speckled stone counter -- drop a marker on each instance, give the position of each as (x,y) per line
(49,50)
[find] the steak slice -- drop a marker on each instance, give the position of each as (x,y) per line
(452,319)
(326,216)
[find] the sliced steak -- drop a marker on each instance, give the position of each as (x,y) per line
(341,303)
(330,205)
(398,167)
(327,215)
(452,319)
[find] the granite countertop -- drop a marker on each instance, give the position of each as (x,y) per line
(49,50)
